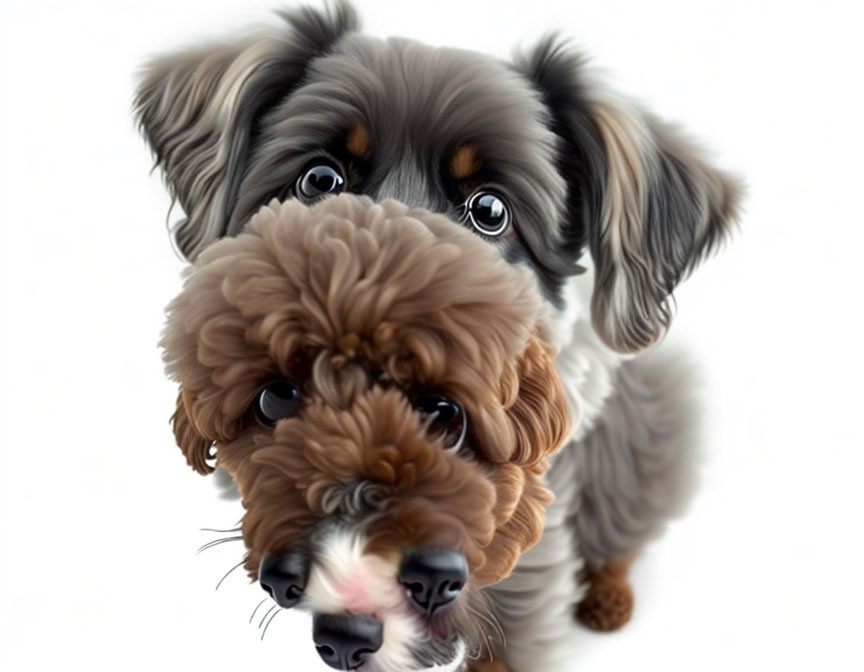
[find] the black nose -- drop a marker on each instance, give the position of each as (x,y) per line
(433,576)
(344,641)
(284,577)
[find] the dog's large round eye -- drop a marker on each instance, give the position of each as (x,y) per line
(276,401)
(319,180)
(488,213)
(445,417)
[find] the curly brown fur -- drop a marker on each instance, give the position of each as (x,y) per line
(361,304)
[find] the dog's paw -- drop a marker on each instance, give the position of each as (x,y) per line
(608,605)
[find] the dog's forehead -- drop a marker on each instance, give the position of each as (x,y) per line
(423,99)
(404,266)
(348,268)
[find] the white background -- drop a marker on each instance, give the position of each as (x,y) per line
(99,515)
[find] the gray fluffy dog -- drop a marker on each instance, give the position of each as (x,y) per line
(609,208)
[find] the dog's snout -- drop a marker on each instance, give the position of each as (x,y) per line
(409,185)
(433,576)
(345,641)
(284,577)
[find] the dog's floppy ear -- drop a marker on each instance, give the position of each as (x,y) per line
(538,407)
(664,210)
(647,205)
(198,110)
(197,449)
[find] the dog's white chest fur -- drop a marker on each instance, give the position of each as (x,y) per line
(585,365)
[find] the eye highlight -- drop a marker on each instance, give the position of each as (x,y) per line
(488,212)
(445,417)
(319,180)
(276,401)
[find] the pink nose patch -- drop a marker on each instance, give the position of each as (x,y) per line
(354,589)
(349,580)
(355,594)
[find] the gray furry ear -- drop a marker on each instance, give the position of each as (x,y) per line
(664,210)
(198,110)
(647,206)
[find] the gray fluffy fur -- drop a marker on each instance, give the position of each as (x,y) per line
(593,183)
(637,468)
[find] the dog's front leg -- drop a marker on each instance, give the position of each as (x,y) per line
(636,469)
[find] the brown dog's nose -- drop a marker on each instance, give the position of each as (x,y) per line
(284,577)
(433,576)
(345,641)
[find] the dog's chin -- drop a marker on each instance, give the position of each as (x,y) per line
(446,653)
(439,645)
(440,633)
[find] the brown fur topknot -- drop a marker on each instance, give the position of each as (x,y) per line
(361,304)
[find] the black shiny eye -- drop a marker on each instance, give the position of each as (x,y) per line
(445,417)
(488,213)
(276,401)
(319,180)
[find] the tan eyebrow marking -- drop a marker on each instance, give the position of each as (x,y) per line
(359,141)
(465,161)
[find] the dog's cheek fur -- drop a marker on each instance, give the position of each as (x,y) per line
(437,514)
(539,417)
(525,417)
(536,405)
(535,424)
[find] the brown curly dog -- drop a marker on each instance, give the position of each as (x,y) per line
(376,381)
